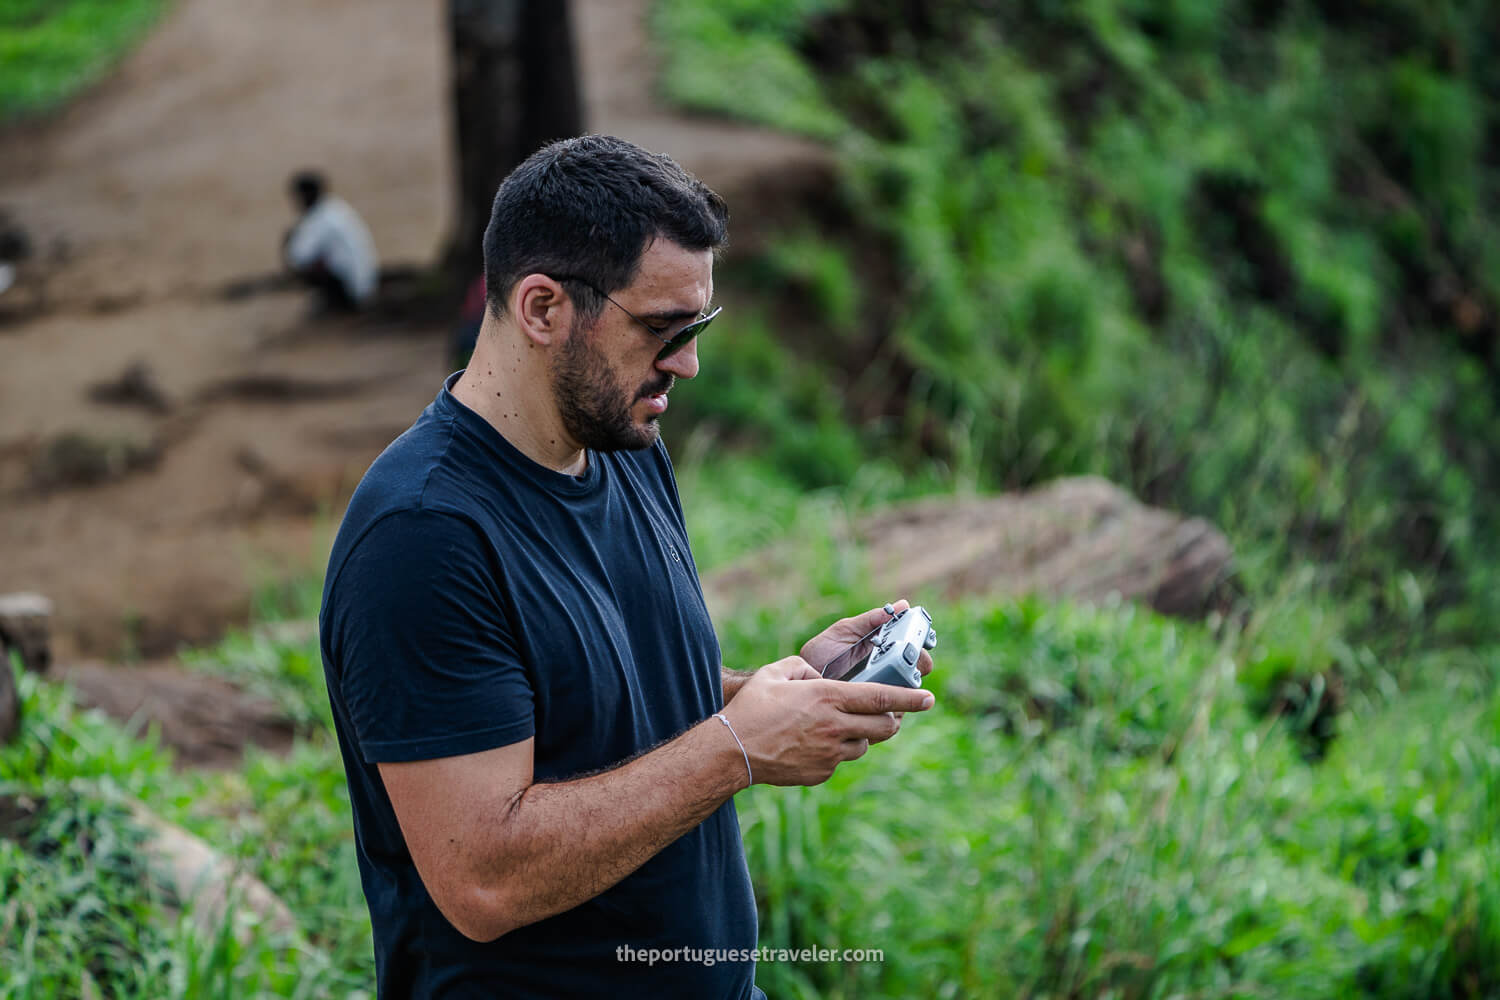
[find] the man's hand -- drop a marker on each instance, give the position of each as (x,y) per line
(834,639)
(797,727)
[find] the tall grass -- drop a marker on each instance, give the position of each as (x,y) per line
(81,914)
(1237,258)
(1099,805)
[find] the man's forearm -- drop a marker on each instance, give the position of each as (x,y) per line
(559,845)
(733,680)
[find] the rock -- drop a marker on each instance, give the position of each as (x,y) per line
(195,872)
(184,865)
(206,720)
(25,621)
(1082,538)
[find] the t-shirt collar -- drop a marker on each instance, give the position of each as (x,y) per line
(518,461)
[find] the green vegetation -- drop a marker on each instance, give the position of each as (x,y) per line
(1099,806)
(51,49)
(1239,256)
(78,915)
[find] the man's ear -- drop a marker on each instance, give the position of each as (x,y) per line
(542,309)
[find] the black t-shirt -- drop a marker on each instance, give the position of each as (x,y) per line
(474,599)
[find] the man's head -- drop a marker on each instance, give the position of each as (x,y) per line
(607,225)
(306,187)
(588,207)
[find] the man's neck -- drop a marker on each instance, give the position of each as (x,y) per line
(509,386)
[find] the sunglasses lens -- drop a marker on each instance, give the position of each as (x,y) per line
(686,335)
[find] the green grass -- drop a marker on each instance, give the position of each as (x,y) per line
(739,60)
(77,912)
(1210,251)
(52,49)
(1098,806)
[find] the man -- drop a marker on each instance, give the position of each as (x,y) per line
(330,247)
(541,743)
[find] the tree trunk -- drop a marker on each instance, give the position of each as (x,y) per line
(515,88)
(10,700)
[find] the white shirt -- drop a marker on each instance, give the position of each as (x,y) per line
(333,233)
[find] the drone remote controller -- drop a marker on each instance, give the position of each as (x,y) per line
(887,655)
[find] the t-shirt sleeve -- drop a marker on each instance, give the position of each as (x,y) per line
(420,646)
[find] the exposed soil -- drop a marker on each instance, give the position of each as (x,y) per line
(165,447)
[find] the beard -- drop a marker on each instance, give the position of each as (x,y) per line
(594,407)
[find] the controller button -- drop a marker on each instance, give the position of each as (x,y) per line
(909,654)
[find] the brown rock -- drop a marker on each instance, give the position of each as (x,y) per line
(218,889)
(1083,539)
(193,873)
(206,720)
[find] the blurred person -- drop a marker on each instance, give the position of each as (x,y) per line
(541,743)
(330,247)
(15,247)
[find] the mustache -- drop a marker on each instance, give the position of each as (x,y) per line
(658,386)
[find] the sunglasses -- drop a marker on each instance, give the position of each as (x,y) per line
(671,342)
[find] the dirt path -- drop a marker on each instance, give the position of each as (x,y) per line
(152,192)
(165,184)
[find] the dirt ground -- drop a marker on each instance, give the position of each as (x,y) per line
(228,465)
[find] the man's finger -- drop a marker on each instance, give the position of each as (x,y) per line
(793,668)
(868,699)
(896,717)
(924,663)
(875,728)
(876,617)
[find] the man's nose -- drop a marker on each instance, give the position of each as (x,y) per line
(683,363)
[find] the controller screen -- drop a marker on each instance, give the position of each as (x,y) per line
(851,661)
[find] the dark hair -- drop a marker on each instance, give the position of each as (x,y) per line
(586,208)
(307,186)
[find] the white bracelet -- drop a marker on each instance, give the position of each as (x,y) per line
(720,717)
